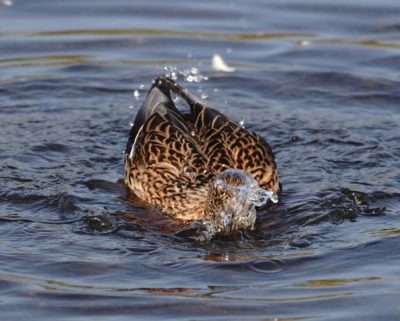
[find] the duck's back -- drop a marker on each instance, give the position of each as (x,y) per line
(225,144)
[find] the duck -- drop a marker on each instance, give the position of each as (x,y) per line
(198,165)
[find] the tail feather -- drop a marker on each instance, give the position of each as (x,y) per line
(159,101)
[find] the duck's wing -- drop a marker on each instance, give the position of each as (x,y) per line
(168,169)
(159,101)
(162,141)
(226,144)
(160,147)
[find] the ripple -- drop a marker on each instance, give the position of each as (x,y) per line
(77,245)
(258,266)
(61,201)
(51,147)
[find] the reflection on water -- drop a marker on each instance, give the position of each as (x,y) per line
(319,81)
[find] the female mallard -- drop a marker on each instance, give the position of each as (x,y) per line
(200,165)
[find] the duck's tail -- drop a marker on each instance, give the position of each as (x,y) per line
(159,101)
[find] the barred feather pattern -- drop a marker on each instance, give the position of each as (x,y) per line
(173,165)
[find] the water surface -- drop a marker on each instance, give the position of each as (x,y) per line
(320,81)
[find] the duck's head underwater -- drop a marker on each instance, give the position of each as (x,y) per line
(232,200)
(198,166)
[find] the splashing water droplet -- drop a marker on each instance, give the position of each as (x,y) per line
(241,123)
(141,86)
(130,124)
(7,3)
(218,64)
(304,43)
(136,94)
(130,106)
(190,172)
(204,96)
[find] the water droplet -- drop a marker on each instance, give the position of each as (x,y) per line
(7,3)
(131,124)
(192,133)
(204,96)
(141,86)
(227,220)
(218,64)
(304,43)
(241,123)
(136,94)
(189,172)
(130,107)
(193,75)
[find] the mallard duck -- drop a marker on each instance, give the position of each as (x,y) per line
(199,165)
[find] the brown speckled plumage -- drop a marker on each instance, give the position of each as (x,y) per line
(171,158)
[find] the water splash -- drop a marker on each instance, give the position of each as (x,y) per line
(191,74)
(241,123)
(304,43)
(236,211)
(136,94)
(218,64)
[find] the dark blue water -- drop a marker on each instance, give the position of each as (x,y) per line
(319,80)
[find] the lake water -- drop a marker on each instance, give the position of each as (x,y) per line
(319,80)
